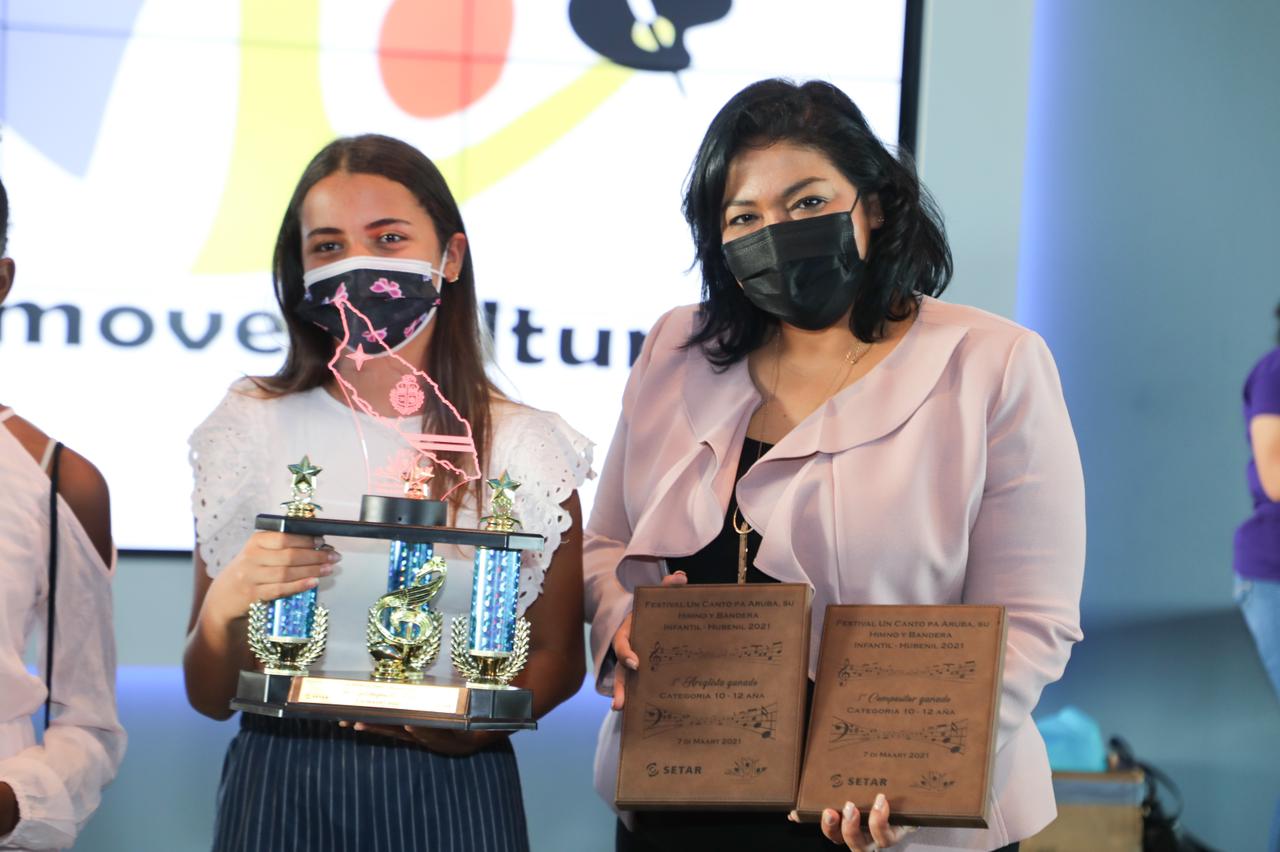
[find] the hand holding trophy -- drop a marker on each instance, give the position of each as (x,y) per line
(385,383)
(287,635)
(403,632)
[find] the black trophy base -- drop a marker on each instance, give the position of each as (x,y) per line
(380,509)
(357,697)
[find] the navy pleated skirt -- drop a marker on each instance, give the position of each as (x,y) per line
(289,784)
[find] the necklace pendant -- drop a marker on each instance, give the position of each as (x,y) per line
(742,558)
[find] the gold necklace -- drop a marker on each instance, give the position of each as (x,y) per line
(740,525)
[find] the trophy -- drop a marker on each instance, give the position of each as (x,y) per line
(287,635)
(491,646)
(403,631)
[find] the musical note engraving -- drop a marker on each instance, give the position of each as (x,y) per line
(761,652)
(964,671)
(950,736)
(756,720)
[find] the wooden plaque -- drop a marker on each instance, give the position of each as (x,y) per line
(714,718)
(906,704)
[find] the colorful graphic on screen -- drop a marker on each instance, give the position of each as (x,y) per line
(149,148)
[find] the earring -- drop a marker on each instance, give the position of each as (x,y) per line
(879,221)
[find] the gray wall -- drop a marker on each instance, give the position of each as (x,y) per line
(1107,171)
(1148,226)
(975,72)
(1149,179)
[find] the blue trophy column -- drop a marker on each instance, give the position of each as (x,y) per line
(291,619)
(493,601)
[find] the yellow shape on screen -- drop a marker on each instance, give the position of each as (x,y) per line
(282,123)
(477,167)
(280,126)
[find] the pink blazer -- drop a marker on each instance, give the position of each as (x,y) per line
(948,474)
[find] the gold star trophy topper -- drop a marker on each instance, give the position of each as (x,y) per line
(304,488)
(417,479)
(503,502)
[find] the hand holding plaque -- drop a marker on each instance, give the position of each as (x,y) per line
(906,704)
(628,660)
(714,714)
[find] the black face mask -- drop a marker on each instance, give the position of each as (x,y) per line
(397,296)
(806,272)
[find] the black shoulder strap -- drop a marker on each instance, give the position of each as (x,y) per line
(53,582)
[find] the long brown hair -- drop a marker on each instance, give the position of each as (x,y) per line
(455,357)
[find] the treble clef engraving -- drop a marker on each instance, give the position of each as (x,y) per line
(403,636)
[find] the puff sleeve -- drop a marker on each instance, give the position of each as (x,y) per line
(550,459)
(230,474)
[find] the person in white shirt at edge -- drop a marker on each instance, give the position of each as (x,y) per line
(373,220)
(49,791)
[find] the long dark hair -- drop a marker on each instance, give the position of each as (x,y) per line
(455,357)
(909,253)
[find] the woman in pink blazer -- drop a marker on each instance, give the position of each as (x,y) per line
(875,443)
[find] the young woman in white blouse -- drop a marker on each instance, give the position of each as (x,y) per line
(372,203)
(48,791)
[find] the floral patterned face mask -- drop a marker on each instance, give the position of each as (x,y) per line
(397,297)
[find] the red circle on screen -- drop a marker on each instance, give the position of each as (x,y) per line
(440,56)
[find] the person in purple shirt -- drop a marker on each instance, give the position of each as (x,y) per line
(1257,550)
